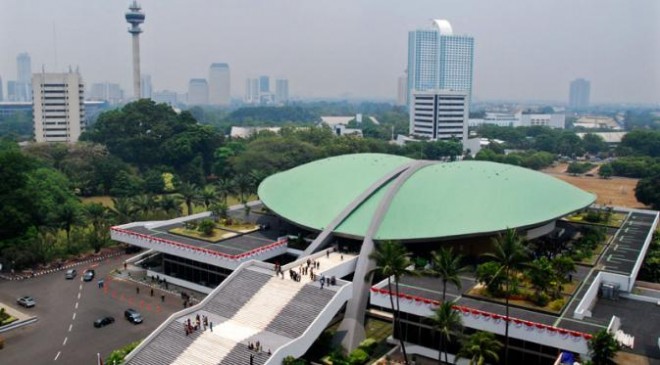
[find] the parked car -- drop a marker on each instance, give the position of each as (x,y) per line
(70,274)
(133,316)
(88,275)
(26,301)
(104,321)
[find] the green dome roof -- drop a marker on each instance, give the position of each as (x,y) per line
(438,200)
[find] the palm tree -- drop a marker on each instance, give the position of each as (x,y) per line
(123,209)
(69,215)
(481,347)
(445,320)
(219,210)
(190,194)
(170,203)
(98,215)
(208,196)
(603,348)
(226,187)
(512,256)
(244,186)
(392,261)
(447,267)
(143,204)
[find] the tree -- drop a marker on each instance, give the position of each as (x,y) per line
(219,210)
(562,266)
(170,203)
(488,274)
(605,171)
(481,347)
(511,255)
(603,348)
(225,188)
(68,215)
(244,186)
(190,194)
(208,196)
(445,320)
(144,204)
(392,261)
(593,143)
(123,209)
(647,191)
(447,267)
(206,226)
(98,215)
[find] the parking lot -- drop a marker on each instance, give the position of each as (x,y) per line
(67,309)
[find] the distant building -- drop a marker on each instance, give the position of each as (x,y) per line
(219,84)
(402,90)
(597,122)
(165,96)
(11,91)
(251,91)
(245,132)
(23,83)
(520,119)
(439,60)
(198,92)
(11,108)
(106,91)
(556,121)
(579,93)
(146,87)
(264,84)
(439,115)
(59,111)
(281,91)
(2,96)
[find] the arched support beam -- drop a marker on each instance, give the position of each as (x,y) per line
(351,330)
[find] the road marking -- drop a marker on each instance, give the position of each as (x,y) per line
(70,326)
(57,356)
(65,339)
(78,295)
(74,316)
(76,305)
(80,287)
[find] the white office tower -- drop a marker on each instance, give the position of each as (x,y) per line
(58,108)
(439,115)
(24,72)
(440,60)
(219,84)
(402,90)
(281,91)
(198,92)
(146,87)
(251,91)
(579,94)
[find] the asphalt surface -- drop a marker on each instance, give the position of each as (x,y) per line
(67,309)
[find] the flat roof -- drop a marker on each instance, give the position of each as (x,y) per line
(440,200)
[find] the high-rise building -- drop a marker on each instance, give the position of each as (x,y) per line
(579,93)
(198,92)
(11,91)
(264,84)
(24,73)
(146,87)
(402,90)
(439,115)
(251,91)
(59,111)
(438,59)
(165,96)
(219,84)
(106,91)
(281,91)
(135,17)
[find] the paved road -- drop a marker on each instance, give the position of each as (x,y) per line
(67,309)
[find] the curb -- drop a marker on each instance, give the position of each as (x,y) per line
(63,267)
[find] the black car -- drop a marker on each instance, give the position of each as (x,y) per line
(133,316)
(88,275)
(102,322)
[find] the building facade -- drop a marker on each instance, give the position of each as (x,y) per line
(24,73)
(402,90)
(59,111)
(579,94)
(439,115)
(146,87)
(198,92)
(438,59)
(219,84)
(106,91)
(281,91)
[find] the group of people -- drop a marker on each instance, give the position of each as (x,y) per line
(256,346)
(201,322)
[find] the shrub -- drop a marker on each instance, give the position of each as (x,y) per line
(206,227)
(541,299)
(358,357)
(557,304)
(368,345)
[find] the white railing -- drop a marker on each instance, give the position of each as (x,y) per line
(491,322)
(298,346)
(587,302)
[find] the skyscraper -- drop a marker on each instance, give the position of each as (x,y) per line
(146,87)
(251,91)
(58,109)
(24,74)
(219,84)
(135,17)
(198,92)
(281,91)
(264,84)
(438,59)
(579,93)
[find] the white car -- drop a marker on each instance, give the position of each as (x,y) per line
(26,301)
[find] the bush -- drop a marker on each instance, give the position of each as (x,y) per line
(206,227)
(358,357)
(117,356)
(541,299)
(557,304)
(368,345)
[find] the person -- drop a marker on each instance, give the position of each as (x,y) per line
(327,254)
(162,298)
(211,325)
(137,290)
(152,292)
(251,359)
(124,265)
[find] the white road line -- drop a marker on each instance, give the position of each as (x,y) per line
(74,316)
(78,295)
(65,339)
(80,287)
(57,356)
(70,326)
(76,305)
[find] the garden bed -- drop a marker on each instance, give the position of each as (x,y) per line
(216,236)
(553,307)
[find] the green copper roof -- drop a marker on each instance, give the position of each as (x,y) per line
(440,200)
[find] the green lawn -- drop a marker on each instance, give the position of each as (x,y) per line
(198,208)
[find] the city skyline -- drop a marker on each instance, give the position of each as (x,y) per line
(348,49)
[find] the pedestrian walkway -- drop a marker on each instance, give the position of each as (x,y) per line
(253,306)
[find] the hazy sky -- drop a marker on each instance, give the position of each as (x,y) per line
(524,49)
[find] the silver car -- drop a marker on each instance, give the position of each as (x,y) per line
(26,301)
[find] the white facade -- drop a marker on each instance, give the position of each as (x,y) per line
(557,121)
(59,112)
(198,92)
(219,84)
(439,115)
(438,59)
